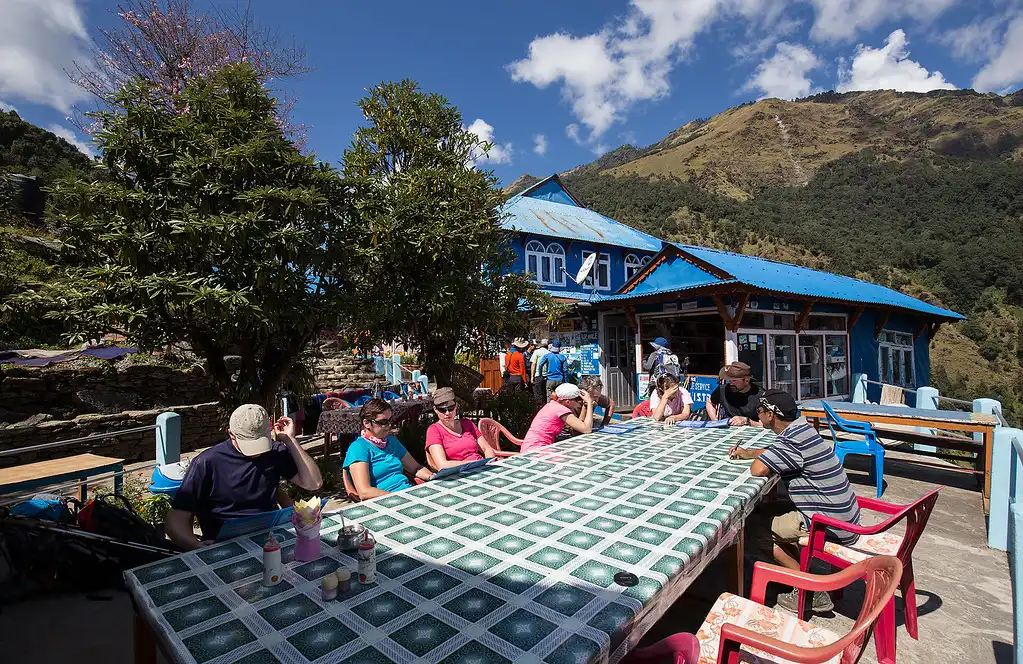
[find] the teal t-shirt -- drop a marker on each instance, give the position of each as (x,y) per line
(385,471)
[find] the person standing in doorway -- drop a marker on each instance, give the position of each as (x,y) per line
(538,380)
(552,366)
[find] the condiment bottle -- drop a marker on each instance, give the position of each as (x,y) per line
(344,580)
(272,567)
(367,557)
(329,587)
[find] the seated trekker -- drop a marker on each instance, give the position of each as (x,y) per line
(569,405)
(239,476)
(817,484)
(741,397)
(670,402)
(452,441)
(376,461)
(593,386)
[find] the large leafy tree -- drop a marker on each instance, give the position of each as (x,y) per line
(435,258)
(209,228)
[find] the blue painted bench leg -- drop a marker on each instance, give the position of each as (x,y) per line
(119,480)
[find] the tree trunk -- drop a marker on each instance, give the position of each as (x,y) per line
(439,361)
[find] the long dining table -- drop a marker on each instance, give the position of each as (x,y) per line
(569,553)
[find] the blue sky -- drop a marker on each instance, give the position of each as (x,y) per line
(585,75)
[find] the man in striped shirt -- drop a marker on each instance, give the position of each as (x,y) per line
(816,481)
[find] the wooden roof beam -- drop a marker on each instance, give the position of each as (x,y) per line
(880,324)
(856,316)
(803,316)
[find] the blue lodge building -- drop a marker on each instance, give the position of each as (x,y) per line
(801,330)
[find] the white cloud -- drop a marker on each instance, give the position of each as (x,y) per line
(498,153)
(70,137)
(602,75)
(4,106)
(540,144)
(888,68)
(975,42)
(1005,68)
(786,73)
(39,40)
(572,131)
(837,20)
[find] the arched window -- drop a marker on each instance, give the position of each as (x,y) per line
(546,264)
(646,260)
(632,265)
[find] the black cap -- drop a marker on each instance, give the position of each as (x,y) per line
(780,403)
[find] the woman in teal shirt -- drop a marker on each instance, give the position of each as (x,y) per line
(376,461)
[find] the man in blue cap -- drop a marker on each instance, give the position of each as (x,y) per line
(552,366)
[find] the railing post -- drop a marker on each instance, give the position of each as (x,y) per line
(859,388)
(1006,485)
(926,399)
(168,438)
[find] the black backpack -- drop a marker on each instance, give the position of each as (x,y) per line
(104,516)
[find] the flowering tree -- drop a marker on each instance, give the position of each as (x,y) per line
(166,43)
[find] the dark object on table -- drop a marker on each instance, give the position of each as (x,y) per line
(627,579)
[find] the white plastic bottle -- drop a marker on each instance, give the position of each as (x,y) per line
(367,557)
(273,569)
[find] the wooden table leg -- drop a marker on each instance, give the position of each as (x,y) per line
(734,566)
(145,640)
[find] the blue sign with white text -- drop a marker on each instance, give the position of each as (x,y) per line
(700,388)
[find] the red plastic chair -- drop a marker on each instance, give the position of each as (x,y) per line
(729,637)
(874,541)
(492,431)
(642,409)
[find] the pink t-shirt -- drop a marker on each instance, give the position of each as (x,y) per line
(546,426)
(457,448)
(675,405)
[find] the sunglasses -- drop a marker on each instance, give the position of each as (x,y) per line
(383,422)
(446,409)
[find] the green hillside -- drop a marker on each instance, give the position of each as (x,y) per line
(27,249)
(920,192)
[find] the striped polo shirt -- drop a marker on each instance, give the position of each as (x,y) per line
(816,480)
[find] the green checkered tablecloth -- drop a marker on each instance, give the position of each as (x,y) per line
(515,563)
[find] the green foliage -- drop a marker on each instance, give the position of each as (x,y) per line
(27,149)
(434,258)
(209,229)
(515,410)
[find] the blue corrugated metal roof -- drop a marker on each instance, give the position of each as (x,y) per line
(552,218)
(673,274)
(795,280)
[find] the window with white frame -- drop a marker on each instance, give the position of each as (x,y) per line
(601,270)
(632,266)
(546,264)
(895,358)
(646,260)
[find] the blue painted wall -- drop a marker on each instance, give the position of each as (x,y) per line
(575,251)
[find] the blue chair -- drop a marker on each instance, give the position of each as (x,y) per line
(361,401)
(868,446)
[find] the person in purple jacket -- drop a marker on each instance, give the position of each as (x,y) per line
(239,476)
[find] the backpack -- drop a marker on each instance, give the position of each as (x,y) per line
(103,517)
(667,363)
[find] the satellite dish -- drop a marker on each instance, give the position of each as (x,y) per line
(584,271)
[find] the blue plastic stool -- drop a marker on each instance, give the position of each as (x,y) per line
(164,484)
(868,446)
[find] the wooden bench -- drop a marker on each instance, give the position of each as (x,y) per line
(56,471)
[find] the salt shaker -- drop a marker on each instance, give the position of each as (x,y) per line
(328,590)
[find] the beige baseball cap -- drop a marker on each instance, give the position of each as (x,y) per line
(250,425)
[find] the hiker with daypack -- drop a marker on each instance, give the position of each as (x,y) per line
(659,362)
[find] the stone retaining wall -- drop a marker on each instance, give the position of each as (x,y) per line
(335,371)
(201,425)
(66,391)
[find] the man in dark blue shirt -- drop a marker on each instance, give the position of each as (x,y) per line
(552,367)
(239,476)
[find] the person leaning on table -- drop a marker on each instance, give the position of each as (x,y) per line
(568,406)
(376,461)
(239,476)
(741,397)
(816,482)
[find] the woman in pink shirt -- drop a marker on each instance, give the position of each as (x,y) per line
(670,402)
(452,441)
(569,406)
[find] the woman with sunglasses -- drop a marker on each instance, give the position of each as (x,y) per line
(452,441)
(376,461)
